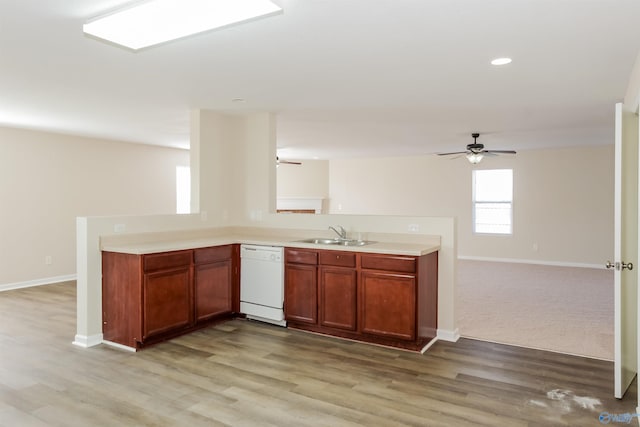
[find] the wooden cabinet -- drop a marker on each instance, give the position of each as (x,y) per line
(388,305)
(389,296)
(385,299)
(122,298)
(338,290)
(148,298)
(213,282)
(400,296)
(301,286)
(166,293)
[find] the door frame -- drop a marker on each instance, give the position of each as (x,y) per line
(626,187)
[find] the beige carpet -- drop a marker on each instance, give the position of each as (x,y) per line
(562,309)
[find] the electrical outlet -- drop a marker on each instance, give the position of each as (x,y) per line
(48,260)
(534,247)
(119,228)
(203,216)
(413,228)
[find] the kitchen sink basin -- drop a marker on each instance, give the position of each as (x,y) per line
(336,242)
(355,242)
(320,241)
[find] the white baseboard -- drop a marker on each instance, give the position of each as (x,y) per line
(447,335)
(87,341)
(532,261)
(536,348)
(119,346)
(428,345)
(38,282)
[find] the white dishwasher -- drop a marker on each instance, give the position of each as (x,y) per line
(262,283)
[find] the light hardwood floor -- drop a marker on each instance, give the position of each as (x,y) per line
(244,373)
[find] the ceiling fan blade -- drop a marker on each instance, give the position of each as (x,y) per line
(286,162)
(449,154)
(501,151)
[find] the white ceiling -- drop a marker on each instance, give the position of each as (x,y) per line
(345,77)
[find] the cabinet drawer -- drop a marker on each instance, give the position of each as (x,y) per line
(300,257)
(167,260)
(342,259)
(212,254)
(389,263)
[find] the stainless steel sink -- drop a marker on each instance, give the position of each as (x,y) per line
(320,241)
(356,242)
(336,242)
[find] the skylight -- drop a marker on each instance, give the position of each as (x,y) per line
(152,22)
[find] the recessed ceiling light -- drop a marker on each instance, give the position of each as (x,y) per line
(501,61)
(238,100)
(157,21)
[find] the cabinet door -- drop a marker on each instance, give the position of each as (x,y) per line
(388,304)
(301,293)
(213,289)
(167,301)
(337,306)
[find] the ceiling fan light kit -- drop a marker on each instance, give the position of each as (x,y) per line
(474,158)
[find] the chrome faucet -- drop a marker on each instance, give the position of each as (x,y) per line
(342,234)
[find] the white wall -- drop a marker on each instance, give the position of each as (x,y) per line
(633,87)
(47,180)
(563,200)
(232,179)
(310,179)
(215,163)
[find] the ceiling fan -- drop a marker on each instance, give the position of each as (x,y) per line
(475,152)
(286,162)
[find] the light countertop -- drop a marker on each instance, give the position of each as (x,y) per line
(148,244)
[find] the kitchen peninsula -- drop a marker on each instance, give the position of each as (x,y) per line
(160,285)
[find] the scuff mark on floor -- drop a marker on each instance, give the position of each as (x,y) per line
(558,394)
(587,402)
(566,399)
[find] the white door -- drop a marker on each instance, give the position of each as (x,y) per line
(625,262)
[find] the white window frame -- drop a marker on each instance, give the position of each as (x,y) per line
(506,202)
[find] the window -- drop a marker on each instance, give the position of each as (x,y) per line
(183,189)
(492,201)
